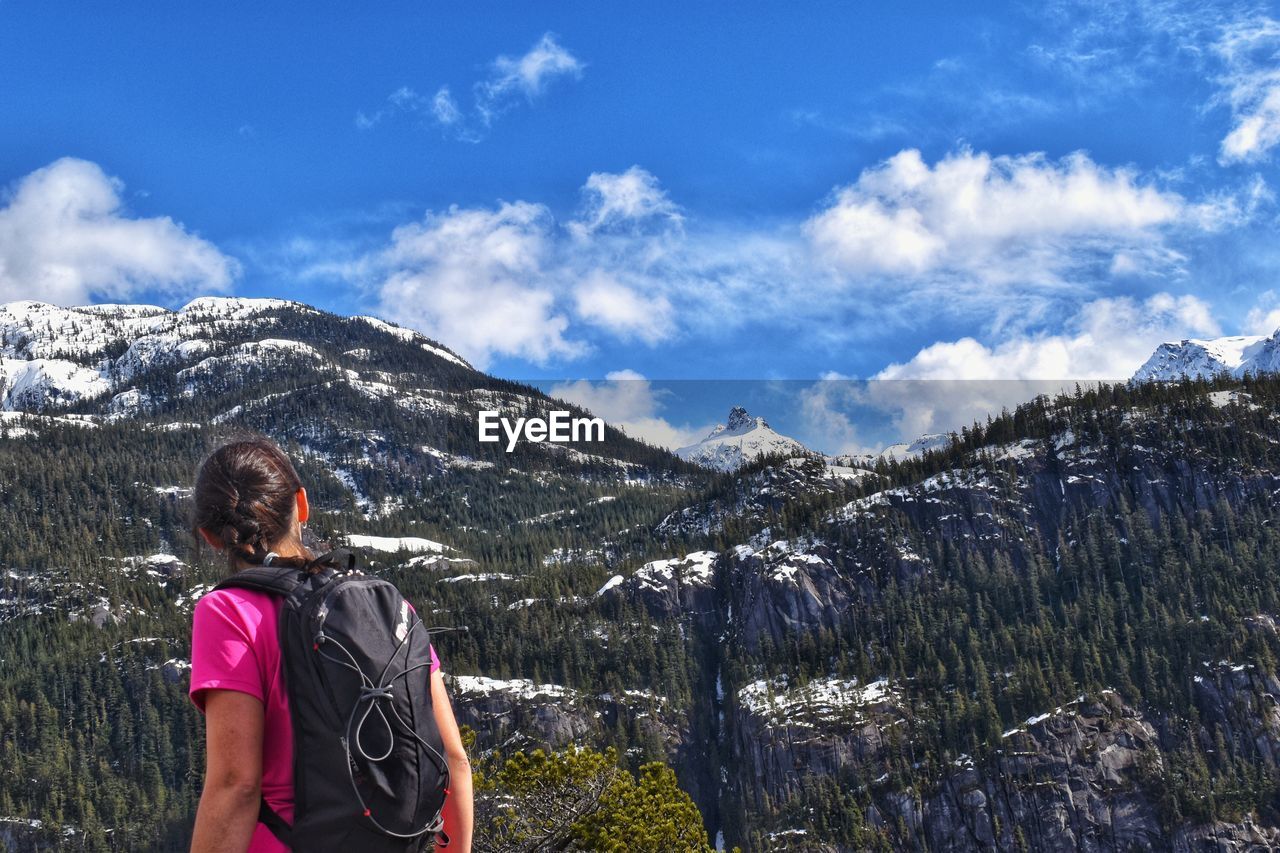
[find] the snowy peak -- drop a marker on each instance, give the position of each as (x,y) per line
(739,440)
(1236,355)
(51,356)
(922,445)
(739,420)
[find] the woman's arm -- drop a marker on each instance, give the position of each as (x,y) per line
(228,813)
(457,807)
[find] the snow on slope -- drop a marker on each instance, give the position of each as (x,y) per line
(413,338)
(923,444)
(52,356)
(1201,359)
(733,444)
(393,544)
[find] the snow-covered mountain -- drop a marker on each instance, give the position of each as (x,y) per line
(1236,355)
(744,437)
(922,445)
(737,441)
(52,357)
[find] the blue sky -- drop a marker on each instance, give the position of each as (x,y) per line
(667,190)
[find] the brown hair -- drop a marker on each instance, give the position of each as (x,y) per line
(245,497)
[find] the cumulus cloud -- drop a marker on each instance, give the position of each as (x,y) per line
(627,400)
(1264,317)
(65,237)
(508,280)
(1023,219)
(950,384)
(827,409)
(1008,243)
(511,80)
(473,278)
(1107,339)
(1250,52)
(604,301)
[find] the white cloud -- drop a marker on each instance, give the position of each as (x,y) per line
(602,300)
(825,408)
(474,279)
(628,198)
(506,281)
(510,80)
(1264,317)
(1012,219)
(1002,244)
(1106,339)
(445,108)
(65,237)
(950,384)
(1250,52)
(527,75)
(402,100)
(629,401)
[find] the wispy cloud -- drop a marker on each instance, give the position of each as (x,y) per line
(510,82)
(1250,52)
(66,237)
(523,78)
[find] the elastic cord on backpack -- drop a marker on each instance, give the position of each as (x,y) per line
(370,693)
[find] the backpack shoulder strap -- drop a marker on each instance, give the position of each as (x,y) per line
(277,580)
(340,558)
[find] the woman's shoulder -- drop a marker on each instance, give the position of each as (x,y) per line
(235,597)
(248,608)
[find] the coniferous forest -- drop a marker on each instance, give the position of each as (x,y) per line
(1057,632)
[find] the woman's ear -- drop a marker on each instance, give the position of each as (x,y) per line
(304,509)
(213,541)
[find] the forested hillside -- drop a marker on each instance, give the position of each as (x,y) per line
(1058,631)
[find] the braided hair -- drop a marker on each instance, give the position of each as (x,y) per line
(245,495)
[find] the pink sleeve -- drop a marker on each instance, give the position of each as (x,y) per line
(222,652)
(435,660)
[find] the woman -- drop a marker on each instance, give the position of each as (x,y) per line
(249,503)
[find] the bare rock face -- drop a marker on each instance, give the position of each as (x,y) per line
(1067,780)
(1229,837)
(520,715)
(787,587)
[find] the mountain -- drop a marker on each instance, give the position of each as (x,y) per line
(1237,356)
(739,440)
(744,438)
(1059,631)
(922,445)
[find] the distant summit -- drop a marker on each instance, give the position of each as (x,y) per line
(739,418)
(922,445)
(737,441)
(1237,355)
(744,437)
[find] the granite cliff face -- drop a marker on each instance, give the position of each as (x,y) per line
(1088,772)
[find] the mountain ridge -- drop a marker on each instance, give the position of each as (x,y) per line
(1235,355)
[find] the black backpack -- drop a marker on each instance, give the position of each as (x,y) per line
(369,771)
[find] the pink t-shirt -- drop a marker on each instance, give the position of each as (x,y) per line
(235,645)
